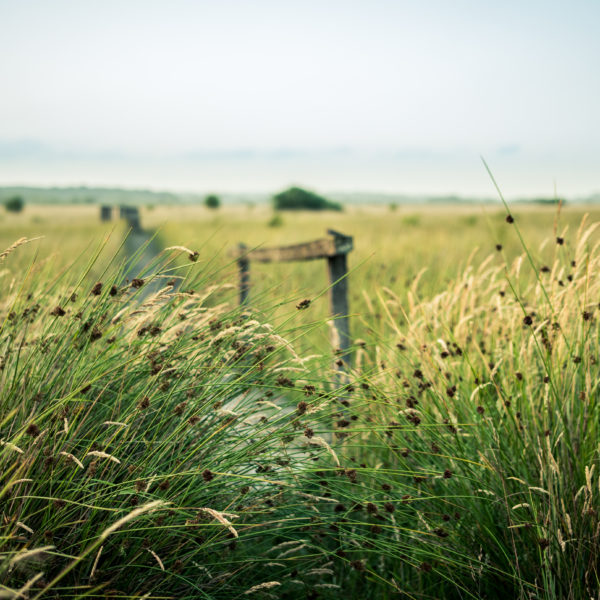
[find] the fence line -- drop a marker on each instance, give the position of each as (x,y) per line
(334,249)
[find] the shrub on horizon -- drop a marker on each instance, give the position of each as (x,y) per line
(212,201)
(14,204)
(296,198)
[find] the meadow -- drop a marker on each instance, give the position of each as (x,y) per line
(159,441)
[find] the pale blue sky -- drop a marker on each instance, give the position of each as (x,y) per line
(234,95)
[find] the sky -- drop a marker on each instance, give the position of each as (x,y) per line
(254,95)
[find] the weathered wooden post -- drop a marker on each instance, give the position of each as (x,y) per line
(244,267)
(133,219)
(334,249)
(105,212)
(337,265)
(132,215)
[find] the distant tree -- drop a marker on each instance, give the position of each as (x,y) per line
(547,201)
(14,204)
(298,199)
(212,201)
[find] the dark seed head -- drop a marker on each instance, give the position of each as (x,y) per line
(357,565)
(97,289)
(207,475)
(33,430)
(58,312)
(544,543)
(371,508)
(499,247)
(96,334)
(560,241)
(180,408)
(285,381)
(309,390)
(509,219)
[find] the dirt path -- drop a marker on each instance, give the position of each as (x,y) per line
(145,248)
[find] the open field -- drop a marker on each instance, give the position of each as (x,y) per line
(393,248)
(168,444)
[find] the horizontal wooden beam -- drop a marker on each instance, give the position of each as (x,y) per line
(323,248)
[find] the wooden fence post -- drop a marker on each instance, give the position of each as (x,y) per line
(338,269)
(337,266)
(132,215)
(244,267)
(105,212)
(334,249)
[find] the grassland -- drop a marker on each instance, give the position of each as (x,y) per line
(412,251)
(171,445)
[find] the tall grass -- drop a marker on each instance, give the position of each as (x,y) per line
(159,442)
(502,379)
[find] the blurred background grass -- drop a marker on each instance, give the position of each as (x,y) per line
(393,246)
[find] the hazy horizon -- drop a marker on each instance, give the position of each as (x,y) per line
(384,97)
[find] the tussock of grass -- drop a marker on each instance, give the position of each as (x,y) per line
(503,381)
(157,442)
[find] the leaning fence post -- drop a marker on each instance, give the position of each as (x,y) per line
(244,267)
